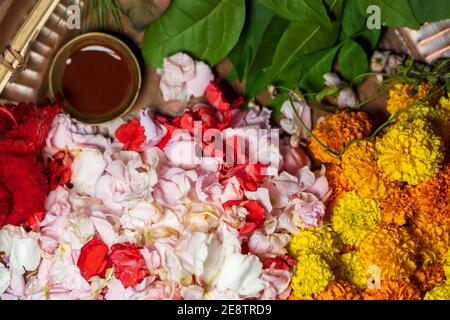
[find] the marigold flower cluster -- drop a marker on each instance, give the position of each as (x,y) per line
(390,201)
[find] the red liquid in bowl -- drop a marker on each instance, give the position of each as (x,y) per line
(97,80)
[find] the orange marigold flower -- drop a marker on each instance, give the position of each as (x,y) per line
(336,181)
(359,166)
(433,197)
(398,207)
(430,276)
(393,290)
(339,290)
(432,237)
(391,250)
(337,130)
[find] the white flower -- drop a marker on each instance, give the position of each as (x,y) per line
(193,251)
(23,251)
(378,61)
(5,278)
(347,98)
(126,181)
(182,77)
(154,131)
(290,122)
(332,79)
(87,167)
(142,214)
(193,292)
(241,273)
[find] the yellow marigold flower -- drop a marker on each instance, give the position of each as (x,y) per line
(351,270)
(430,276)
(433,197)
(391,249)
(312,275)
(402,95)
(445,102)
(447,267)
(339,290)
(393,290)
(336,131)
(432,237)
(441,292)
(322,241)
(360,168)
(410,152)
(398,206)
(354,217)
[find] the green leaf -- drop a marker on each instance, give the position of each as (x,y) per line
(276,103)
(353,20)
(206,29)
(315,66)
(430,10)
(268,45)
(397,13)
(334,9)
(368,39)
(299,10)
(298,39)
(242,56)
(352,60)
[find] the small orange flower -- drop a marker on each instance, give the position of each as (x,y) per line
(339,290)
(430,276)
(398,207)
(433,197)
(393,290)
(337,130)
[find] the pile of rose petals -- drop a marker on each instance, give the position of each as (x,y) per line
(149,208)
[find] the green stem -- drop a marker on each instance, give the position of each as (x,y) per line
(299,118)
(392,118)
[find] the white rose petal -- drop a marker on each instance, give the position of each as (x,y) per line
(87,168)
(25,255)
(5,278)
(241,273)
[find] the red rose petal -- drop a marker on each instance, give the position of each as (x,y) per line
(132,135)
(129,264)
(59,170)
(92,258)
(280,262)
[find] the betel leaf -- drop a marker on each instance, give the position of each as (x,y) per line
(298,39)
(352,60)
(397,13)
(315,66)
(353,20)
(368,39)
(430,10)
(299,10)
(268,45)
(206,29)
(257,21)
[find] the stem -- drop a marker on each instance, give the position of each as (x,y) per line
(392,118)
(325,147)
(371,98)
